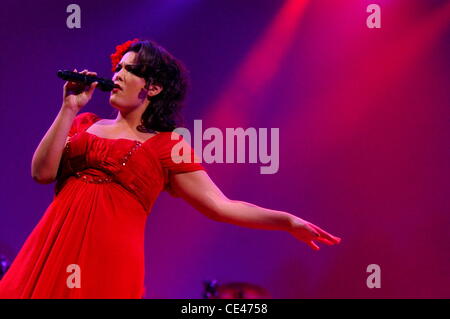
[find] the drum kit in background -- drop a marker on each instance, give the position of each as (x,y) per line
(234,290)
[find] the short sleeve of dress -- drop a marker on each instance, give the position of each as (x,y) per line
(81,122)
(176,157)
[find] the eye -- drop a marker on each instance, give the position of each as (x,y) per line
(135,69)
(118,68)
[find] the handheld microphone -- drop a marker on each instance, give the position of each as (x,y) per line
(103,84)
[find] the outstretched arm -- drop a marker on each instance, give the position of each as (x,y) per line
(199,190)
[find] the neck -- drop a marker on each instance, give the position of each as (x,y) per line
(130,118)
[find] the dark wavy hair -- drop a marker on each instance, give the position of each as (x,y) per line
(161,68)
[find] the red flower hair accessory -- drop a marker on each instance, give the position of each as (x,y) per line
(120,51)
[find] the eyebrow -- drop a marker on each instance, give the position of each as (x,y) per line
(121,64)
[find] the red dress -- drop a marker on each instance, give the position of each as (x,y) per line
(105,189)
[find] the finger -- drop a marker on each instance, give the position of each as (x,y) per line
(69,82)
(325,241)
(312,231)
(74,70)
(92,88)
(313,245)
(325,235)
(91,74)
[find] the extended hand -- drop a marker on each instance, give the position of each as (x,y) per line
(308,233)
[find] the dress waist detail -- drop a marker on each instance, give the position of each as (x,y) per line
(92,175)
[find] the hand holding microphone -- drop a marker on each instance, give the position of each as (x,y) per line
(78,94)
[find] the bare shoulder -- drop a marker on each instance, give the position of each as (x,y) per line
(104,122)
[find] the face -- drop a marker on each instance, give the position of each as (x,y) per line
(132,93)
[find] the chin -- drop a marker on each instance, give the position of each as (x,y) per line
(119,106)
(114,103)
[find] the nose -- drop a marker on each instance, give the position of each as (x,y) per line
(117,77)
